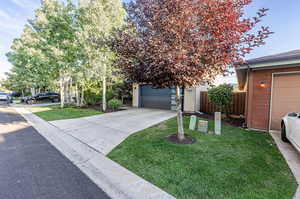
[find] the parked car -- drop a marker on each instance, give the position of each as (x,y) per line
(48,96)
(4,98)
(290,129)
(24,99)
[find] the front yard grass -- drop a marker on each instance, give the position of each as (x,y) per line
(54,112)
(238,164)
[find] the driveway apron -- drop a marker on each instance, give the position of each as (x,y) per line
(104,132)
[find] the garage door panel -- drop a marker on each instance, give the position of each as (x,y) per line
(285,98)
(155,98)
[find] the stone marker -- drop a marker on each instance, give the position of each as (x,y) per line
(203,126)
(193,121)
(217,123)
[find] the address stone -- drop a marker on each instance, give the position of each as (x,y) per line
(217,123)
(203,126)
(193,122)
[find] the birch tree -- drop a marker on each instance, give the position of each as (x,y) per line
(56,26)
(29,62)
(98,18)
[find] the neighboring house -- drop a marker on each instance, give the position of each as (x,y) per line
(273,89)
(144,96)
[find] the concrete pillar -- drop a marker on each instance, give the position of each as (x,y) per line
(192,98)
(135,95)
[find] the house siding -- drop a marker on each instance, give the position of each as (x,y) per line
(258,100)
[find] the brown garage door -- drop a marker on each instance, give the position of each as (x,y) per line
(286,97)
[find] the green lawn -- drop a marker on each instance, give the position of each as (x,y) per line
(17,101)
(54,112)
(239,164)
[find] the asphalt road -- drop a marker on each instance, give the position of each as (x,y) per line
(31,168)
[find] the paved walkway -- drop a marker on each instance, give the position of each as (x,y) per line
(113,179)
(30,167)
(291,156)
(104,132)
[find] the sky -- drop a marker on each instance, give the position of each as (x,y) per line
(283,19)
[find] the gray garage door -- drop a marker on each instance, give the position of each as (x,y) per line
(155,98)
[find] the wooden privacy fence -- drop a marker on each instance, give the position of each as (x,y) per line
(236,108)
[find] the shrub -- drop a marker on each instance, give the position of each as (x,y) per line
(110,94)
(221,97)
(92,98)
(114,104)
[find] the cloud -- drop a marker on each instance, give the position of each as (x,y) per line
(27,3)
(7,27)
(4,15)
(8,22)
(5,66)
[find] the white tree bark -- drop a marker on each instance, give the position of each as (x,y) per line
(179,114)
(77,96)
(104,94)
(65,87)
(32,90)
(70,91)
(82,97)
(62,93)
(104,89)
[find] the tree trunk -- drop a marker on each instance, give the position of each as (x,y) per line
(104,94)
(62,94)
(82,97)
(77,95)
(32,90)
(70,91)
(104,89)
(65,87)
(179,114)
(22,93)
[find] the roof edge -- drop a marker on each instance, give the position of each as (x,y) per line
(271,64)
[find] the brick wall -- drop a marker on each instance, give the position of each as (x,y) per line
(259,98)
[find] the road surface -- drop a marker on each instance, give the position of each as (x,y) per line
(31,168)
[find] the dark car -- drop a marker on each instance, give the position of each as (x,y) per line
(48,96)
(4,98)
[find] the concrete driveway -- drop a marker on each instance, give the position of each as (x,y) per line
(104,132)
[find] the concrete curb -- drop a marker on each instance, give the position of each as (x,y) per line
(112,178)
(291,157)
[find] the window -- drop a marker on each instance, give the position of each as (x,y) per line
(293,114)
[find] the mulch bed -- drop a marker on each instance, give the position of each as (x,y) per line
(187,140)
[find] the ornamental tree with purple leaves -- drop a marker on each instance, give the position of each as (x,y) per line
(184,43)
